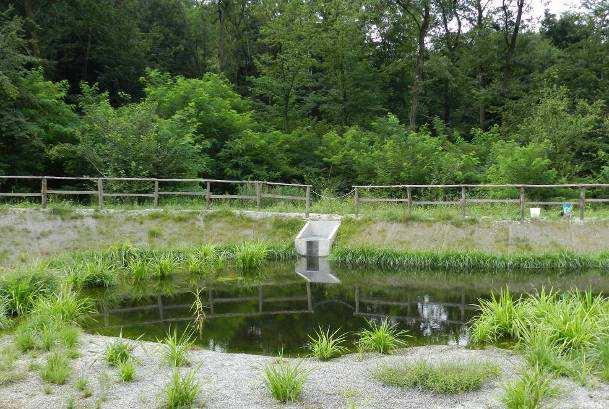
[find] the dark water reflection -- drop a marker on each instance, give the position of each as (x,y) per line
(278,314)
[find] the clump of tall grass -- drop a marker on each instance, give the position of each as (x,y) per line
(57,368)
(118,352)
(443,378)
(126,370)
(165,266)
(389,258)
(9,355)
(325,345)
(381,337)
(206,260)
(93,273)
(181,392)
(138,269)
(176,347)
(497,320)
(19,289)
(250,256)
(285,380)
(529,391)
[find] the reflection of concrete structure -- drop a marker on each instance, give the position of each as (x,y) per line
(316,237)
(315,270)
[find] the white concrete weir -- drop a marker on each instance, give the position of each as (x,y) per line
(316,238)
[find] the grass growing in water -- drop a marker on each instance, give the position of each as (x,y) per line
(175,348)
(529,391)
(250,256)
(182,392)
(381,337)
(325,345)
(56,369)
(443,378)
(285,380)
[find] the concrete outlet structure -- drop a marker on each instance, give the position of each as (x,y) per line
(316,238)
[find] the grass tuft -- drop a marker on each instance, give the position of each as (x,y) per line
(57,368)
(285,380)
(381,337)
(118,352)
(126,370)
(250,256)
(175,348)
(325,345)
(182,392)
(444,378)
(529,391)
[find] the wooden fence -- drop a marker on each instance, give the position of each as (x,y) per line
(155,192)
(464,200)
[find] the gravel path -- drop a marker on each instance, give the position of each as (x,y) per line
(234,381)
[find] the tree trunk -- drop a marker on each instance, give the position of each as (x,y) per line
(415,89)
(511,37)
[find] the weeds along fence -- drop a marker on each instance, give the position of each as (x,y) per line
(99,190)
(466,196)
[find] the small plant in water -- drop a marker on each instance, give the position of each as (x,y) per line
(175,348)
(182,392)
(285,380)
(383,337)
(165,267)
(325,345)
(250,256)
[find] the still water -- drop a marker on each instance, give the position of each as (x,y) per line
(276,314)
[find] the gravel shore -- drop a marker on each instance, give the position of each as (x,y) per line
(235,381)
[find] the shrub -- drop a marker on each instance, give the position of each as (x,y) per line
(383,337)
(530,390)
(285,380)
(182,392)
(325,345)
(56,369)
(175,348)
(444,378)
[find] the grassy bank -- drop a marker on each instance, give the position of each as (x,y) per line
(389,258)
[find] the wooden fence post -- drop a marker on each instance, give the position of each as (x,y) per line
(100,193)
(156,193)
(522,199)
(308,201)
(43,191)
(258,194)
(463,201)
(582,202)
(356,200)
(409,199)
(208,195)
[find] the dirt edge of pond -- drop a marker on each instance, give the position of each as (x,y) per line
(28,234)
(235,381)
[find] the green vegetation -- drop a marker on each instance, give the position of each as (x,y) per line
(126,370)
(465,259)
(443,378)
(57,368)
(250,256)
(118,352)
(530,390)
(325,345)
(285,380)
(182,392)
(381,337)
(82,385)
(175,348)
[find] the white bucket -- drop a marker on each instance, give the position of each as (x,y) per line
(535,212)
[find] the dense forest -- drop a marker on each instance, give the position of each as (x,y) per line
(331,92)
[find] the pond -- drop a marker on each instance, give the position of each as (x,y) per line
(277,313)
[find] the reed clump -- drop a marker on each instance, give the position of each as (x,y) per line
(285,380)
(382,337)
(325,345)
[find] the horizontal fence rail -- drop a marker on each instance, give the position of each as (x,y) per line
(155,192)
(462,198)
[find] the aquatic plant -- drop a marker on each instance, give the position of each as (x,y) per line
(325,345)
(96,272)
(250,256)
(442,378)
(164,266)
(529,391)
(21,288)
(181,392)
(138,269)
(285,380)
(497,320)
(57,368)
(175,348)
(381,337)
(389,258)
